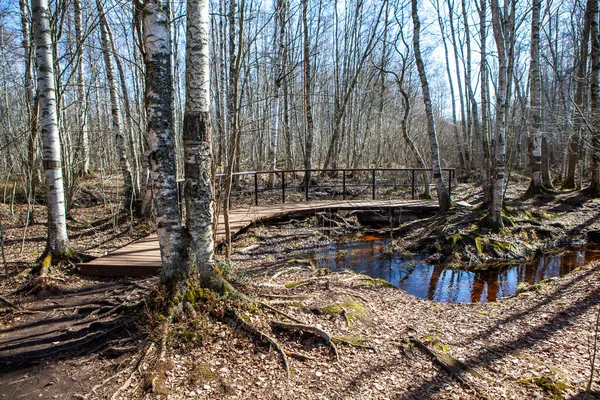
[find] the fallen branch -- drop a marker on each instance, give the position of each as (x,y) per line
(309,328)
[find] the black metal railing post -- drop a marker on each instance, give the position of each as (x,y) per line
(180,198)
(373,172)
(306,183)
(450,183)
(256,188)
(283,186)
(412,185)
(344,184)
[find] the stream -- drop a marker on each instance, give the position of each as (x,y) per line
(369,255)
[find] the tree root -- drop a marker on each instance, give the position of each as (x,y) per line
(349,293)
(454,367)
(309,328)
(285,271)
(246,327)
(349,343)
(280,312)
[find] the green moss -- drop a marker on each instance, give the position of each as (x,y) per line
(553,387)
(353,308)
(202,373)
(479,244)
(376,282)
(291,285)
(354,340)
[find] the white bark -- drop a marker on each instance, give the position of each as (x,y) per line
(442,192)
(197,141)
(117,120)
(84,153)
(160,138)
(58,240)
(502,86)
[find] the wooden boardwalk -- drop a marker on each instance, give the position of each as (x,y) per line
(142,257)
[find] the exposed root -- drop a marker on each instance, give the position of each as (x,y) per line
(349,293)
(286,271)
(309,328)
(280,312)
(454,367)
(135,370)
(285,296)
(263,336)
(338,339)
(10,304)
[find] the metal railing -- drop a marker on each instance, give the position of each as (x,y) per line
(302,184)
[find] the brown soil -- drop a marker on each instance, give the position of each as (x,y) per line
(84,338)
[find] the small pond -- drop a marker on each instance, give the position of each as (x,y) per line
(369,255)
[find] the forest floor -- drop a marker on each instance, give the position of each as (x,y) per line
(79,338)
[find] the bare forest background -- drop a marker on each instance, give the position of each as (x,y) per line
(315,84)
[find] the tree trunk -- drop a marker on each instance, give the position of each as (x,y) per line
(197,141)
(117,119)
(461,157)
(58,240)
(161,139)
(280,18)
(82,115)
(535,104)
(499,29)
(306,79)
(575,142)
(442,192)
(594,188)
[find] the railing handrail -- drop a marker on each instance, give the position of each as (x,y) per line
(278,171)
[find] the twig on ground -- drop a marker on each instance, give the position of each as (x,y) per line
(285,271)
(309,328)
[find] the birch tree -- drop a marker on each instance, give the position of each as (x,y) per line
(535,103)
(58,240)
(197,143)
(160,137)
(82,120)
(442,191)
(500,33)
(117,118)
(594,188)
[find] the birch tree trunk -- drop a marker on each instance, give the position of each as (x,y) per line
(575,142)
(161,138)
(499,29)
(306,80)
(594,188)
(82,120)
(197,141)
(535,104)
(58,240)
(461,156)
(442,192)
(280,18)
(117,120)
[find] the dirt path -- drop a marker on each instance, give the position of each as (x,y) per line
(47,350)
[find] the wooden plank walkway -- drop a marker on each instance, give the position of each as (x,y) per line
(142,257)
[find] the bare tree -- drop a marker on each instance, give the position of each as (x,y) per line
(594,188)
(442,192)
(58,240)
(117,118)
(499,25)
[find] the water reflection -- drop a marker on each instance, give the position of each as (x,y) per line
(369,255)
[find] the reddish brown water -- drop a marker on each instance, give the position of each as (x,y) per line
(369,255)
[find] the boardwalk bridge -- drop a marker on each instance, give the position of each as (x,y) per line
(263,195)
